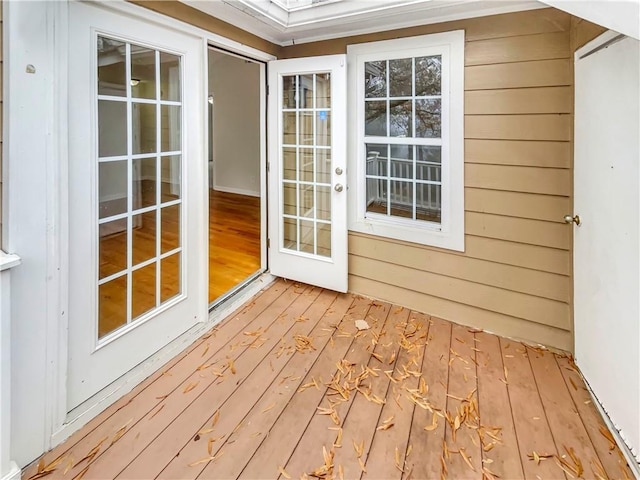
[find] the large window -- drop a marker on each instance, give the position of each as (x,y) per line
(407,151)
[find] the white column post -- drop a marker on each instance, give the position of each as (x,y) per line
(8,469)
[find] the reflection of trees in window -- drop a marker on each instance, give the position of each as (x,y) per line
(403,80)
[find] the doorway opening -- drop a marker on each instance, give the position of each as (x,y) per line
(235,156)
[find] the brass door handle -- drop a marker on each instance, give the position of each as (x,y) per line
(572,219)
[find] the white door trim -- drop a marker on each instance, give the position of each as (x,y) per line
(37,224)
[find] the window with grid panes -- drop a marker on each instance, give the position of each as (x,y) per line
(409,139)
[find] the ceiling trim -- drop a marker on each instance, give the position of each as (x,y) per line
(378,19)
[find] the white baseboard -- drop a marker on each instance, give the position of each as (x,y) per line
(82,414)
(14,472)
(238,191)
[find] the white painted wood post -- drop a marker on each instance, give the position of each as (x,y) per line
(8,469)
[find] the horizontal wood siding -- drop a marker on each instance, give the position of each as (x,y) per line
(514,277)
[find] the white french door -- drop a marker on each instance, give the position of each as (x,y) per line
(137,174)
(307,170)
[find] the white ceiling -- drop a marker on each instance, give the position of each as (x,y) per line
(286,22)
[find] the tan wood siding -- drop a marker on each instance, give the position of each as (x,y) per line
(187,14)
(514,277)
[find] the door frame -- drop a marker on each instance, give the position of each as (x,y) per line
(37,226)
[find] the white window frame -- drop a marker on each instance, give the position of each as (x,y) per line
(449,233)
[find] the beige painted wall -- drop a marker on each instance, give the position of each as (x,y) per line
(515,276)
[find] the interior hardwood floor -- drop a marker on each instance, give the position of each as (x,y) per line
(234,240)
(234,254)
(288,387)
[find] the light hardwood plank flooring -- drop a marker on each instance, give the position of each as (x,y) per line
(288,387)
(234,240)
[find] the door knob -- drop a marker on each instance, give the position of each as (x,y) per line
(338,171)
(569,219)
(338,187)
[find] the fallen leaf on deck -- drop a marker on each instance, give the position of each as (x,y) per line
(284,472)
(81,473)
(466,459)
(362,325)
(269,408)
(607,434)
(206,460)
(190,387)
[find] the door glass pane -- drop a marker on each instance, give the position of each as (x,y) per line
(112,74)
(144,182)
(170,221)
(112,188)
(143,72)
(171,178)
(113,247)
(170,277)
(143,117)
(112,128)
(169,77)
(170,115)
(143,296)
(306,170)
(144,237)
(134,175)
(112,305)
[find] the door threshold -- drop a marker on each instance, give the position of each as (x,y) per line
(235,290)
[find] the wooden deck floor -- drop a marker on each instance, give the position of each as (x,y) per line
(287,387)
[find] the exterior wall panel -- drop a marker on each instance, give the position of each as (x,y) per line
(514,277)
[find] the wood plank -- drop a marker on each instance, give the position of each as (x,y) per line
(542,73)
(248,405)
(516,204)
(522,153)
(234,240)
(535,309)
(519,127)
(427,444)
(174,426)
(276,448)
(308,455)
(531,424)
(167,395)
(505,325)
(457,265)
(464,459)
(547,181)
(364,415)
(495,410)
(519,101)
(264,415)
(609,455)
(545,46)
(532,232)
(566,426)
(148,395)
(390,450)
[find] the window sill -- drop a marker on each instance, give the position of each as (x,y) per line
(429,234)
(8,261)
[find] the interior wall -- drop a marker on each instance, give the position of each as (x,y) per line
(515,276)
(234,84)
